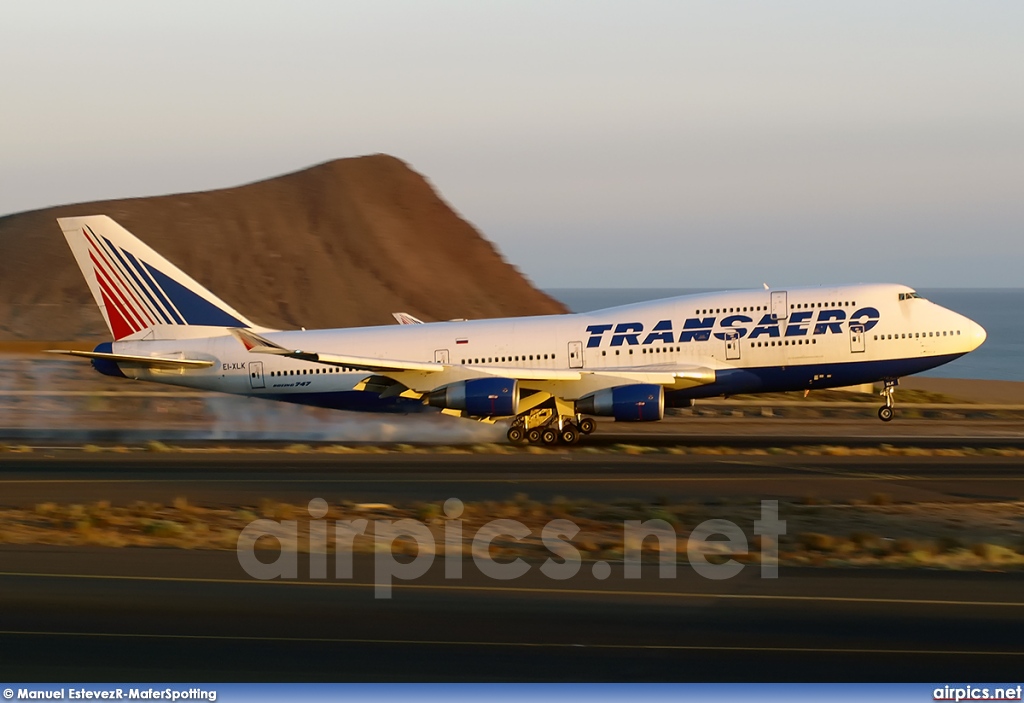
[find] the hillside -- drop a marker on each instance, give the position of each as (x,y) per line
(338,245)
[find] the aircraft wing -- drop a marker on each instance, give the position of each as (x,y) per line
(257,344)
(160,362)
(675,376)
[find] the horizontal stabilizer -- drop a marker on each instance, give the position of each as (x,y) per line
(160,362)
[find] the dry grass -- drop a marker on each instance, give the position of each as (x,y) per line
(875,532)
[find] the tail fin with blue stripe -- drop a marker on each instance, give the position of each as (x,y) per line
(136,288)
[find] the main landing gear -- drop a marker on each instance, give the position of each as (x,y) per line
(887,411)
(544,426)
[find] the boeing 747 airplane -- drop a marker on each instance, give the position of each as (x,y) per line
(549,376)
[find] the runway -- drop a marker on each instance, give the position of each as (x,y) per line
(937,426)
(95,614)
(175,616)
(245,479)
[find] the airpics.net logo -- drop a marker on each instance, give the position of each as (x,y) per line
(406,549)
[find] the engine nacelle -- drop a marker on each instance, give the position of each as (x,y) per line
(641,402)
(480,397)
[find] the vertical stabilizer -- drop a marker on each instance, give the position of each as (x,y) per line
(136,288)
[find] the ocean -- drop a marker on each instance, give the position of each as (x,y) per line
(999,310)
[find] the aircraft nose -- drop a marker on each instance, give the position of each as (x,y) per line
(978,334)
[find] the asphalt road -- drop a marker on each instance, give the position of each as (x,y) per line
(990,429)
(95,615)
(244,479)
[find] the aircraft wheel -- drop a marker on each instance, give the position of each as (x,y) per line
(570,435)
(516,435)
(885,413)
(549,435)
(533,435)
(587,425)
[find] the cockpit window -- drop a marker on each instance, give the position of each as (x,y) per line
(908,296)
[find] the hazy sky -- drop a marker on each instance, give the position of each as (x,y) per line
(618,144)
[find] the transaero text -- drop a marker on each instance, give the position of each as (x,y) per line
(801,323)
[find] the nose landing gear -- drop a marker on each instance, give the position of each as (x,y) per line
(888,411)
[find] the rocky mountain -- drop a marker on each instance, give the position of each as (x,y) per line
(341,244)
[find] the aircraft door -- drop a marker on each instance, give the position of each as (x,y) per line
(732,345)
(575,355)
(441,356)
(857,338)
(780,305)
(256,374)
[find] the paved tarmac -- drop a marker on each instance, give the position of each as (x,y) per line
(730,425)
(245,479)
(95,614)
(102,615)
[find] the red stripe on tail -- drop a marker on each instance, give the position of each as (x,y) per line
(127,295)
(131,317)
(118,325)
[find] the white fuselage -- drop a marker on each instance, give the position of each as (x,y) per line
(754,340)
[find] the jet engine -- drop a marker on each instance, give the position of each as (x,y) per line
(641,402)
(480,397)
